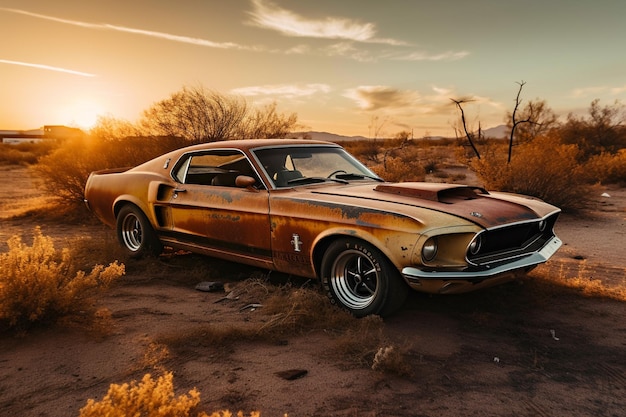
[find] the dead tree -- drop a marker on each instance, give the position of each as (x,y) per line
(516,122)
(468,135)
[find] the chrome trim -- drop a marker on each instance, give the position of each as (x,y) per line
(414,275)
(348,155)
(208,151)
(503,226)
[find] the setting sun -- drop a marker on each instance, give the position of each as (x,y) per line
(82,113)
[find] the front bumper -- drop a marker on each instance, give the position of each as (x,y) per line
(463,281)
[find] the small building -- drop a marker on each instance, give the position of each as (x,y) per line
(48,132)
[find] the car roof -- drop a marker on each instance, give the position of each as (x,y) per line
(248,144)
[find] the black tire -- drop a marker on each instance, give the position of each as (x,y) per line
(135,233)
(359,278)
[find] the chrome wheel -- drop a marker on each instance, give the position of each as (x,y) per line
(354,280)
(135,233)
(358,277)
(131,232)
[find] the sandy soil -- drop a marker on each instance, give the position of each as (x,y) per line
(522,349)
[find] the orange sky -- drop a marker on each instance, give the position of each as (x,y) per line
(348,67)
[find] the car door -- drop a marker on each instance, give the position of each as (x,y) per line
(209,211)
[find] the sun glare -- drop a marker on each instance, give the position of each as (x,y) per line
(81,113)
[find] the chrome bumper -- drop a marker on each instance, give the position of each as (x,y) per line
(414,276)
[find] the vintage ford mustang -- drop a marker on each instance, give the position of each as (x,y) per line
(310,209)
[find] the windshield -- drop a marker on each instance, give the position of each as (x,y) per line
(299,165)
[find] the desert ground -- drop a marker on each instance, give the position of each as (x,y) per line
(531,348)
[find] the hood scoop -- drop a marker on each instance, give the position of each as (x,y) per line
(442,193)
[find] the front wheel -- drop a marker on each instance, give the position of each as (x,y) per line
(135,233)
(358,277)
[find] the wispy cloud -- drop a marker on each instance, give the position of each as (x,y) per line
(47,67)
(411,103)
(348,32)
(154,34)
(271,16)
(283,90)
(588,91)
(424,56)
(618,90)
(377,97)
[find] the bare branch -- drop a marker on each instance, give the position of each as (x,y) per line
(517,122)
(468,135)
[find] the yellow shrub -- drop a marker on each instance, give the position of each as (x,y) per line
(149,398)
(542,168)
(39,283)
(607,168)
(396,169)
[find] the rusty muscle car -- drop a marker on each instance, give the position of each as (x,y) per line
(309,208)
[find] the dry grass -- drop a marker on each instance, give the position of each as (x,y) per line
(290,311)
(578,277)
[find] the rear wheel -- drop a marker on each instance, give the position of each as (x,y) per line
(135,233)
(359,278)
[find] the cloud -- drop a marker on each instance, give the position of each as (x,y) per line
(160,35)
(424,56)
(270,16)
(283,90)
(47,67)
(618,90)
(377,97)
(587,91)
(597,91)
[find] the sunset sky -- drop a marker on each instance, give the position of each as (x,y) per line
(344,66)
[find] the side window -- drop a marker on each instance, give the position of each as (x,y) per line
(218,168)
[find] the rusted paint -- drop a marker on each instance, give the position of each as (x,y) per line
(259,225)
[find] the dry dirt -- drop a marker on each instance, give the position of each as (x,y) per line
(522,349)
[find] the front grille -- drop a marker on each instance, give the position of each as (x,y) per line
(503,244)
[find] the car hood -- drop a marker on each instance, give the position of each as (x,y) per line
(487,209)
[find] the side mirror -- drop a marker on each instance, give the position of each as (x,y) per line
(244,181)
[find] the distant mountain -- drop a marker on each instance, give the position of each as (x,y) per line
(497,132)
(329,137)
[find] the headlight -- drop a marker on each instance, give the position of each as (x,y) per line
(542,225)
(475,245)
(429,250)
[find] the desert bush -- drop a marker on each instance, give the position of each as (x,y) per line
(25,153)
(397,169)
(65,171)
(542,168)
(365,150)
(393,360)
(149,398)
(607,168)
(146,398)
(201,115)
(603,129)
(39,283)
